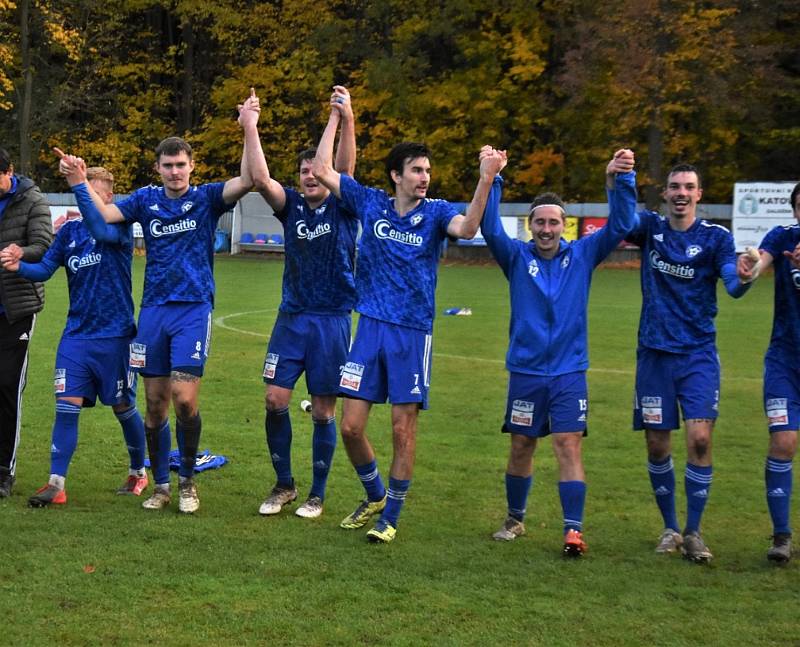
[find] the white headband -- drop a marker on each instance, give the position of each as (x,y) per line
(539,206)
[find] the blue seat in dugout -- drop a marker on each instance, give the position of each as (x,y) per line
(261,239)
(247,237)
(276,239)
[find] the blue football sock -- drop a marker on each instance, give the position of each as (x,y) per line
(662,479)
(395,498)
(65,437)
(573,497)
(159,441)
(778,478)
(698,483)
(133,431)
(187,433)
(323,444)
(517,489)
(371,480)
(278,426)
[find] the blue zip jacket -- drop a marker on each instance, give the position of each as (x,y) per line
(548,327)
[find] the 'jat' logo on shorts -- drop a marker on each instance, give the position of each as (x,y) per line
(60,380)
(651,409)
(351,376)
(777,411)
(158,228)
(522,413)
(384,231)
(270,364)
(138,354)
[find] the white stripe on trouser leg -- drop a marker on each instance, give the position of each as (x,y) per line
(23,380)
(426,362)
(208,335)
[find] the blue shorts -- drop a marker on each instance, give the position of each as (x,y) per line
(665,380)
(172,337)
(538,406)
(316,344)
(94,368)
(781,396)
(388,361)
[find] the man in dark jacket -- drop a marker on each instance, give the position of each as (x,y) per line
(24,220)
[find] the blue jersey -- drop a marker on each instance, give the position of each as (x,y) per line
(679,281)
(179,237)
(549,298)
(320,248)
(785,340)
(98,278)
(397,255)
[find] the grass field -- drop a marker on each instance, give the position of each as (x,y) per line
(101,570)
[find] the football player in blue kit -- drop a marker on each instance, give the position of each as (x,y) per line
(312,330)
(547,359)
(172,344)
(677,361)
(781,249)
(92,356)
(398,255)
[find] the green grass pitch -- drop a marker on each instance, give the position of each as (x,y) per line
(101,570)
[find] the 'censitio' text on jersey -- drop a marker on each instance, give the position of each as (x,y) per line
(320,247)
(98,279)
(679,281)
(784,345)
(179,237)
(397,256)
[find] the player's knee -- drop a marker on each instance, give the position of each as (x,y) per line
(701,446)
(275,401)
(783,445)
(351,430)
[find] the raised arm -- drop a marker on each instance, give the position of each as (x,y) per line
(346,150)
(74,170)
(322,167)
(491,163)
(621,193)
(270,189)
(237,187)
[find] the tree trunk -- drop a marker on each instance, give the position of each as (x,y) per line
(186,115)
(24,164)
(655,160)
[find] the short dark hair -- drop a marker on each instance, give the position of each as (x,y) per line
(173,146)
(686,168)
(547,198)
(795,193)
(308,154)
(400,154)
(5,160)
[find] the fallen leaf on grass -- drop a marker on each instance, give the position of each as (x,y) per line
(88,568)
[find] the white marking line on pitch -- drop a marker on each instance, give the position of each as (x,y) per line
(220,321)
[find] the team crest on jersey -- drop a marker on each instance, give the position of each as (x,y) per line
(60,380)
(777,411)
(533,268)
(415,220)
(693,250)
(321,210)
(138,355)
(186,206)
(351,376)
(522,413)
(270,365)
(651,410)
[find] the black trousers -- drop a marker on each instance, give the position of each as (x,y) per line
(14,339)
